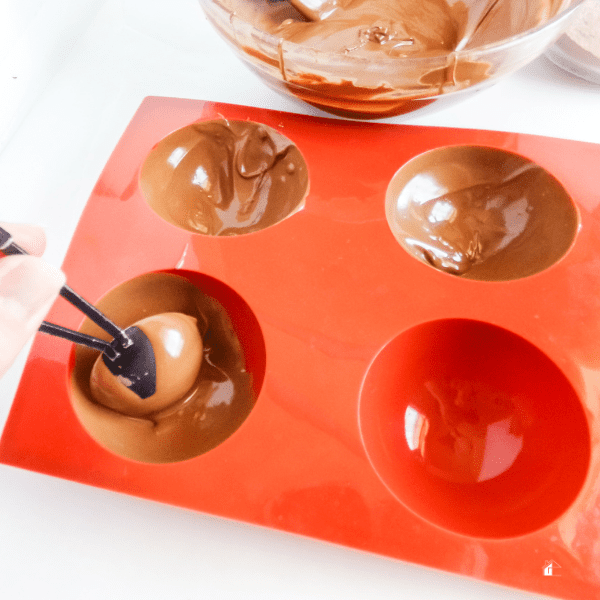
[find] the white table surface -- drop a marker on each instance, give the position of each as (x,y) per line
(72,73)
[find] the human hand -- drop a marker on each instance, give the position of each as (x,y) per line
(28,288)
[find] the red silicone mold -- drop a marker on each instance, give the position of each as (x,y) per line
(348,441)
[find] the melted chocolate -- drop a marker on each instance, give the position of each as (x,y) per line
(177,347)
(428,31)
(407,28)
(384,26)
(224,177)
(218,401)
(481,213)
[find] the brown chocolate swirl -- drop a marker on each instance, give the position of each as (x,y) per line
(481,213)
(224,177)
(362,27)
(206,392)
(398,28)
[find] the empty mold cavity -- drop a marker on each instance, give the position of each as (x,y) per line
(211,406)
(480,213)
(224,177)
(474,429)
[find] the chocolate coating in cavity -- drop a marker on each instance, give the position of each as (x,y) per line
(224,177)
(212,397)
(177,349)
(481,213)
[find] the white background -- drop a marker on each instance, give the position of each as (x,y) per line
(72,73)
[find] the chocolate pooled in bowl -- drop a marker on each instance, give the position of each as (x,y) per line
(362,27)
(381,58)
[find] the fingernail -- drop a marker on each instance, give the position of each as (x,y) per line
(30,237)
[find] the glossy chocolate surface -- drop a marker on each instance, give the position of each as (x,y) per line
(362,27)
(396,29)
(481,213)
(197,407)
(379,58)
(177,347)
(224,177)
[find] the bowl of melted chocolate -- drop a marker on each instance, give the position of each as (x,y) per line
(210,364)
(379,58)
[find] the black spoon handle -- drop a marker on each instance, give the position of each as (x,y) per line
(8,247)
(94,314)
(79,338)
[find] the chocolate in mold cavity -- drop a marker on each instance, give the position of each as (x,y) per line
(224,177)
(177,346)
(218,401)
(481,213)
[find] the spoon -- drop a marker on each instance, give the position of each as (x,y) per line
(315,10)
(129,356)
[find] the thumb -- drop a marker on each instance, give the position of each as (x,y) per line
(28,288)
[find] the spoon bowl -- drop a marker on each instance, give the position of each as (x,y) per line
(135,363)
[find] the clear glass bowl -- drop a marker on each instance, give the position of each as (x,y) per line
(576,51)
(382,87)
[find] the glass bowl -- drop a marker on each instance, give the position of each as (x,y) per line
(382,86)
(576,51)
